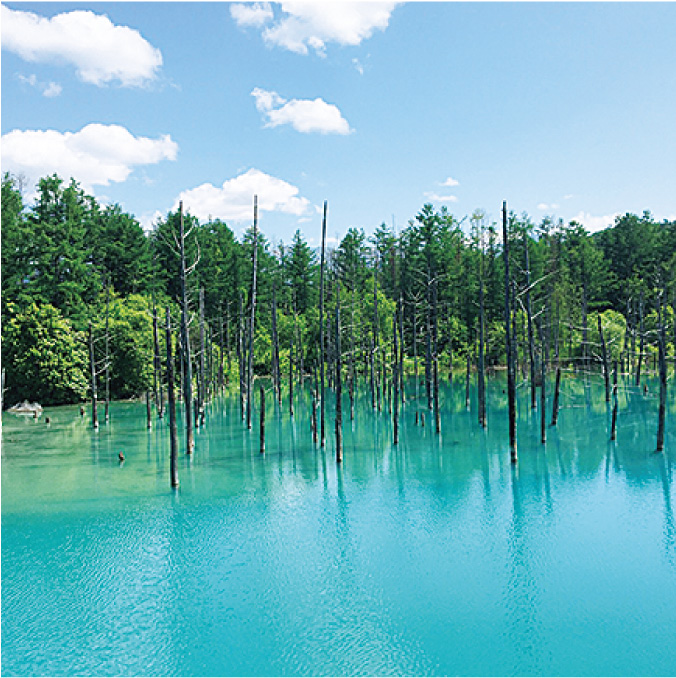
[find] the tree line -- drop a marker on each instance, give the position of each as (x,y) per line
(84,291)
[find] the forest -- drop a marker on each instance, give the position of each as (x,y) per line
(85,291)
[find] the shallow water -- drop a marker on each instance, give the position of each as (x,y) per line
(434,557)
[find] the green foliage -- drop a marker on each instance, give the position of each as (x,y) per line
(44,358)
(131,348)
(62,251)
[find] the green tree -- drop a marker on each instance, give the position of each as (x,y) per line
(44,358)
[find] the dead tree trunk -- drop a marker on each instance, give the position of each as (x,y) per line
(157,372)
(428,342)
(262,420)
(322,392)
(531,339)
(481,376)
(240,357)
(201,392)
(557,388)
(276,374)
(415,361)
(227,343)
(585,345)
(543,392)
(291,367)
(221,353)
(314,415)
(604,356)
(663,378)
(107,367)
(149,418)
(92,364)
(395,376)
(613,422)
(252,323)
(467,381)
(173,433)
(401,348)
(435,357)
(185,344)
(511,376)
(339,384)
(375,331)
(641,340)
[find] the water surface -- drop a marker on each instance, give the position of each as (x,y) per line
(434,557)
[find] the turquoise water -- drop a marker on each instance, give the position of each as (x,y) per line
(431,558)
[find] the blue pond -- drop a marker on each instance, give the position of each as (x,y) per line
(433,557)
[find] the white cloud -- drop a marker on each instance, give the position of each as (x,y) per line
(304,115)
(435,197)
(544,206)
(450,182)
(568,196)
(311,25)
(358,66)
(48,89)
(593,224)
(100,51)
(234,199)
(95,155)
(255,14)
(53,89)
(149,219)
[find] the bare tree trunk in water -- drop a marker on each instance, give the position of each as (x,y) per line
(395,377)
(185,345)
(173,433)
(92,364)
(322,393)
(107,407)
(511,376)
(339,384)
(252,324)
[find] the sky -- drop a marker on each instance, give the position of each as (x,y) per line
(562,109)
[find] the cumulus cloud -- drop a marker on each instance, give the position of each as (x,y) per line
(100,51)
(95,155)
(304,115)
(304,25)
(233,201)
(545,206)
(592,223)
(450,182)
(256,14)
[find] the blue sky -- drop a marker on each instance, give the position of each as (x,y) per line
(564,109)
